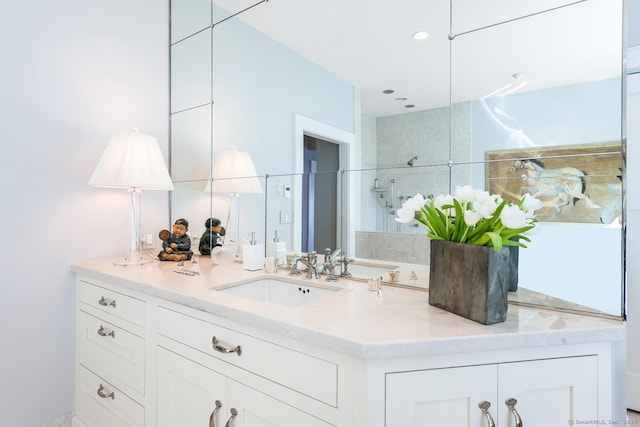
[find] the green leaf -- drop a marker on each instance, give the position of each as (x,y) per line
(459,222)
(496,240)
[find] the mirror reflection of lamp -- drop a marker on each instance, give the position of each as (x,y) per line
(234,174)
(132,161)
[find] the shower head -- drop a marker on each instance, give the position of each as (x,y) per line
(411,160)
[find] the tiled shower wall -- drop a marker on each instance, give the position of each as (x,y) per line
(425,134)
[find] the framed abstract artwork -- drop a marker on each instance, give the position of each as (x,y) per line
(576,183)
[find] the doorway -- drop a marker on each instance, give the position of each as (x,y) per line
(348,195)
(319,195)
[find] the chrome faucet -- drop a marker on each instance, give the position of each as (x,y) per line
(330,264)
(312,271)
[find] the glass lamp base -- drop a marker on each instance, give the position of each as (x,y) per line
(134,259)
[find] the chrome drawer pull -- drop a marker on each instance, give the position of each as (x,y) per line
(484,406)
(106,302)
(511,404)
(212,418)
(103,332)
(234,413)
(222,349)
(104,395)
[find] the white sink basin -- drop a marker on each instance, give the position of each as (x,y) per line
(292,294)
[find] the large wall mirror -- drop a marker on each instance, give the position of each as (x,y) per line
(508,96)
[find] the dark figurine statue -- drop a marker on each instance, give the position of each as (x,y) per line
(211,237)
(176,245)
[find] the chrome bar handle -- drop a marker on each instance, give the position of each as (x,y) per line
(104,395)
(484,406)
(103,332)
(212,418)
(222,349)
(234,414)
(107,302)
(511,404)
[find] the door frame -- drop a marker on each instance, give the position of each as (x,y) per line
(347,160)
(632,289)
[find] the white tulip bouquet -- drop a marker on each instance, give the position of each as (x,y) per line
(474,217)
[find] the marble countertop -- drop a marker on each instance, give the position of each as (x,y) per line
(354,320)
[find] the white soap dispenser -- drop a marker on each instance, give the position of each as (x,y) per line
(253,254)
(277,249)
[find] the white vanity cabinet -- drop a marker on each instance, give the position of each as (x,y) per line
(160,349)
(111,357)
(550,392)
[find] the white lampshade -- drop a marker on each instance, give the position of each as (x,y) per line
(234,173)
(132,161)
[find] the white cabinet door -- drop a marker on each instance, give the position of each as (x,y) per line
(256,409)
(441,397)
(187,393)
(551,392)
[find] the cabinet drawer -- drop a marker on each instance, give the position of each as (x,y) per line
(97,407)
(299,371)
(120,305)
(112,352)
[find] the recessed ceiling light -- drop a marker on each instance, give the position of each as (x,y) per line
(409,106)
(420,35)
(388,91)
(401,99)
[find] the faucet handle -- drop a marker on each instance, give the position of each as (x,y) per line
(294,272)
(345,264)
(312,257)
(294,268)
(330,268)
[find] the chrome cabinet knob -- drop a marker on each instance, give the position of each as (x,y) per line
(511,404)
(484,407)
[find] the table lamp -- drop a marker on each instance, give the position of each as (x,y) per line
(132,161)
(233,173)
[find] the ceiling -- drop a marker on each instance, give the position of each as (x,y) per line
(369,43)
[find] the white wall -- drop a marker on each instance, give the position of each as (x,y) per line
(73,72)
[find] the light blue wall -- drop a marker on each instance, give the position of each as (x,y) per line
(558,116)
(258,86)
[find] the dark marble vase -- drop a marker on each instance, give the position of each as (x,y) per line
(470,281)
